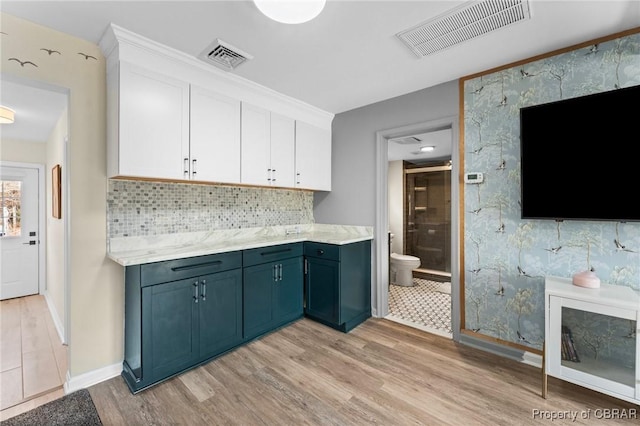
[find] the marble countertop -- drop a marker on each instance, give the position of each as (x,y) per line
(138,250)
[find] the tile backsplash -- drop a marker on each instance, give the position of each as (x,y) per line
(141,208)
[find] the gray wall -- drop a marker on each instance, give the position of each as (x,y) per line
(352,199)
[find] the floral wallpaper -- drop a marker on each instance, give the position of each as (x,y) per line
(506,258)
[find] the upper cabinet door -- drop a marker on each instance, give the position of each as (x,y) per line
(153,118)
(313,157)
(215,137)
(255,139)
(282,151)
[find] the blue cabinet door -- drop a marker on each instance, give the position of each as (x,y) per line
(220,312)
(338,283)
(258,284)
(322,286)
(273,295)
(288,291)
(170,317)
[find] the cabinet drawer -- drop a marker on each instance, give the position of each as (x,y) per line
(172,270)
(271,253)
(322,251)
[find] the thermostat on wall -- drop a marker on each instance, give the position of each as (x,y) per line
(473,177)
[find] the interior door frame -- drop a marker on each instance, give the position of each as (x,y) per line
(42,235)
(382,214)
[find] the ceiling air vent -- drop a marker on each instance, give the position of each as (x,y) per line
(408,140)
(224,55)
(465,22)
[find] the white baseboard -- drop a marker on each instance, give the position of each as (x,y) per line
(57,322)
(91,378)
(532,359)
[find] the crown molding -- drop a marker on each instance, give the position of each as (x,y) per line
(118,44)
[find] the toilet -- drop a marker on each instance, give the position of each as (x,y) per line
(402,267)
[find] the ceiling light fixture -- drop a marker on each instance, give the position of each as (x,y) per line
(7,115)
(290,11)
(427,148)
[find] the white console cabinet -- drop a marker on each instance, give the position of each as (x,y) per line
(592,337)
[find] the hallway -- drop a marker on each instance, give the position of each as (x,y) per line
(33,361)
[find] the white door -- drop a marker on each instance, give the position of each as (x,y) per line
(19,233)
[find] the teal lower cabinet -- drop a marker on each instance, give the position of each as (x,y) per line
(272,282)
(182,313)
(174,325)
(338,283)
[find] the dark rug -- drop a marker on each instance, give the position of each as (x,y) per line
(76,408)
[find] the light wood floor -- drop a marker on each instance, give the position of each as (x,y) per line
(379,373)
(33,361)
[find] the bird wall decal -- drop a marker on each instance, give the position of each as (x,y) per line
(620,246)
(23,63)
(554,250)
(87,57)
(50,51)
(521,337)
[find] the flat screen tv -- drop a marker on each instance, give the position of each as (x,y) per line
(579,158)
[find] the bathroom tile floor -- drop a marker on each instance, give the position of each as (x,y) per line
(426,305)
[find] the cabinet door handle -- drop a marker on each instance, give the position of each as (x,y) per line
(280,272)
(204,290)
(195,265)
(186,167)
(267,253)
(268,175)
(275,272)
(298,178)
(306,266)
(320,252)
(193,167)
(273,175)
(195,292)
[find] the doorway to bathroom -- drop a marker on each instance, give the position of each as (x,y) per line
(420,217)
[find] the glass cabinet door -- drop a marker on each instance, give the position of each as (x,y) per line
(594,344)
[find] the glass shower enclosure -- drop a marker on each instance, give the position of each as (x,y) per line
(427,224)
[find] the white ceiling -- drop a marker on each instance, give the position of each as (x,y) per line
(37,111)
(440,140)
(348,56)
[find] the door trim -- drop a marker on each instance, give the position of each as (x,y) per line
(41,218)
(381,308)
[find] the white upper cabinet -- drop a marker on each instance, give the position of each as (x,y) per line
(267,141)
(255,141)
(215,137)
(172,116)
(313,157)
(282,150)
(152,125)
